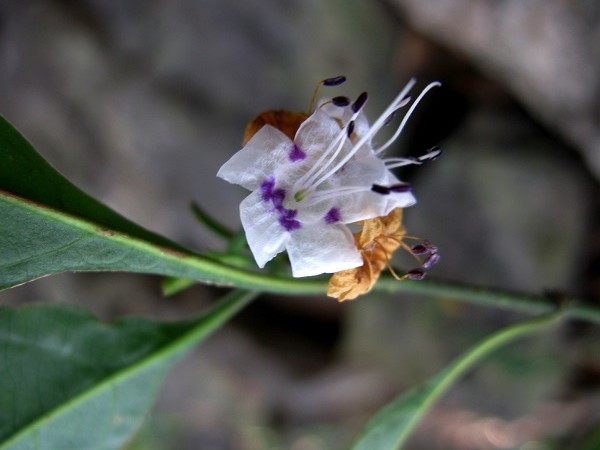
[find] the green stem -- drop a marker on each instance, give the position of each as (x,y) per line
(393,424)
(144,256)
(468,360)
(497,298)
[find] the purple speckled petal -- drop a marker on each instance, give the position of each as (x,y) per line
(278,197)
(286,217)
(264,233)
(288,221)
(297,154)
(266,188)
(266,152)
(332,216)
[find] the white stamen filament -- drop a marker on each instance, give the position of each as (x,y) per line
(319,196)
(391,140)
(380,122)
(304,183)
(395,166)
(393,163)
(432,154)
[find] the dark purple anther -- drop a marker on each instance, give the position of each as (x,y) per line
(350,128)
(332,216)
(432,154)
(334,81)
(340,101)
(415,274)
(419,249)
(430,247)
(360,102)
(378,189)
(431,260)
(389,118)
(297,154)
(399,188)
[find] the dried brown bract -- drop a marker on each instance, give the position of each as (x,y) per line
(377,241)
(285,121)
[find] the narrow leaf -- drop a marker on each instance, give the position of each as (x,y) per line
(173,285)
(48,226)
(24,173)
(210,223)
(392,425)
(70,381)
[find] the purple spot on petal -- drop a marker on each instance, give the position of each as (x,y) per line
(266,188)
(287,219)
(297,154)
(332,216)
(288,214)
(277,197)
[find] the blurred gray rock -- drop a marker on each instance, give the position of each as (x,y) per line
(546,52)
(139,103)
(505,206)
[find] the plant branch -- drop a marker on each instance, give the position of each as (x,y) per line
(392,425)
(497,298)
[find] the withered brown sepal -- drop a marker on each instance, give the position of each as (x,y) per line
(377,241)
(285,121)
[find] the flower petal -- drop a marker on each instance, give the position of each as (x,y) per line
(322,249)
(396,199)
(344,114)
(316,133)
(366,171)
(266,151)
(265,236)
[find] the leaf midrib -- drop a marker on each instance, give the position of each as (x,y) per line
(206,269)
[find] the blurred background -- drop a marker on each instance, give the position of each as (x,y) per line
(140,102)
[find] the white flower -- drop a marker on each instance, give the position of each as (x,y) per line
(304,191)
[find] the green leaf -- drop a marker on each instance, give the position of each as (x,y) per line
(72,382)
(24,173)
(37,241)
(173,285)
(210,223)
(48,226)
(392,425)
